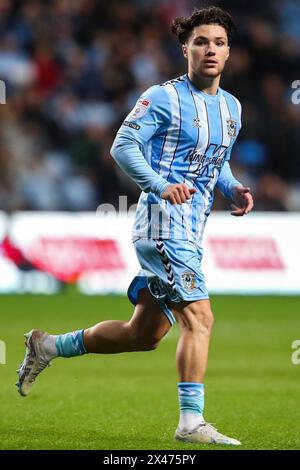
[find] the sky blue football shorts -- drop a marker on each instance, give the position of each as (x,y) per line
(171,269)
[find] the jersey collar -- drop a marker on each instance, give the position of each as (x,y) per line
(206,96)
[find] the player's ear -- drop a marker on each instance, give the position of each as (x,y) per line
(184,50)
(228,54)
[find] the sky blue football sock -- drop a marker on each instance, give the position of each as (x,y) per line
(70,344)
(191,398)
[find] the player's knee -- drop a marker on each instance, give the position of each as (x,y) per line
(146,344)
(142,341)
(206,318)
(197,318)
(149,345)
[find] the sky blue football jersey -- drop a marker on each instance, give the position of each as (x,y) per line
(185,135)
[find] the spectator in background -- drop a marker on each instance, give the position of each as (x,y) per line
(73,70)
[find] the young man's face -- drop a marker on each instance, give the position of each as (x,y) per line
(207,50)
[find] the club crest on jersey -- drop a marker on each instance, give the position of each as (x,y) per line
(140,108)
(231,127)
(189,282)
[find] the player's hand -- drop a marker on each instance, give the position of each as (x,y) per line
(242,201)
(178,193)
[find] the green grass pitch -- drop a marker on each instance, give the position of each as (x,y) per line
(129,401)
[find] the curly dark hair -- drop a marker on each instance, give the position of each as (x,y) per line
(183,27)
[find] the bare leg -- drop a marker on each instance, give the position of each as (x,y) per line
(195,320)
(141,333)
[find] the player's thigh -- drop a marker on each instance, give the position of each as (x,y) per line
(148,320)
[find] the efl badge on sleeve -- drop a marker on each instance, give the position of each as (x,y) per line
(140,108)
(231,127)
(189,282)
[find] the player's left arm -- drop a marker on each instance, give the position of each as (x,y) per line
(242,201)
(230,187)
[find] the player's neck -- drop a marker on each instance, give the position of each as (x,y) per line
(208,85)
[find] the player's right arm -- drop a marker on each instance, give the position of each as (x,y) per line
(150,115)
(178,193)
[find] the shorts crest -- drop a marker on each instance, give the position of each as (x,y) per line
(189,282)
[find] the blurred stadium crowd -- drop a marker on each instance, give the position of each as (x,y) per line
(74,68)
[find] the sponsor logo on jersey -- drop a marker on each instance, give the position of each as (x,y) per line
(214,157)
(140,108)
(133,125)
(231,127)
(189,282)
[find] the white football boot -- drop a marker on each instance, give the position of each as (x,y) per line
(205,433)
(35,361)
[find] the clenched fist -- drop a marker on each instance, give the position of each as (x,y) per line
(178,193)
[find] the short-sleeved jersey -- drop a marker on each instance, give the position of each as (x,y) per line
(186,136)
